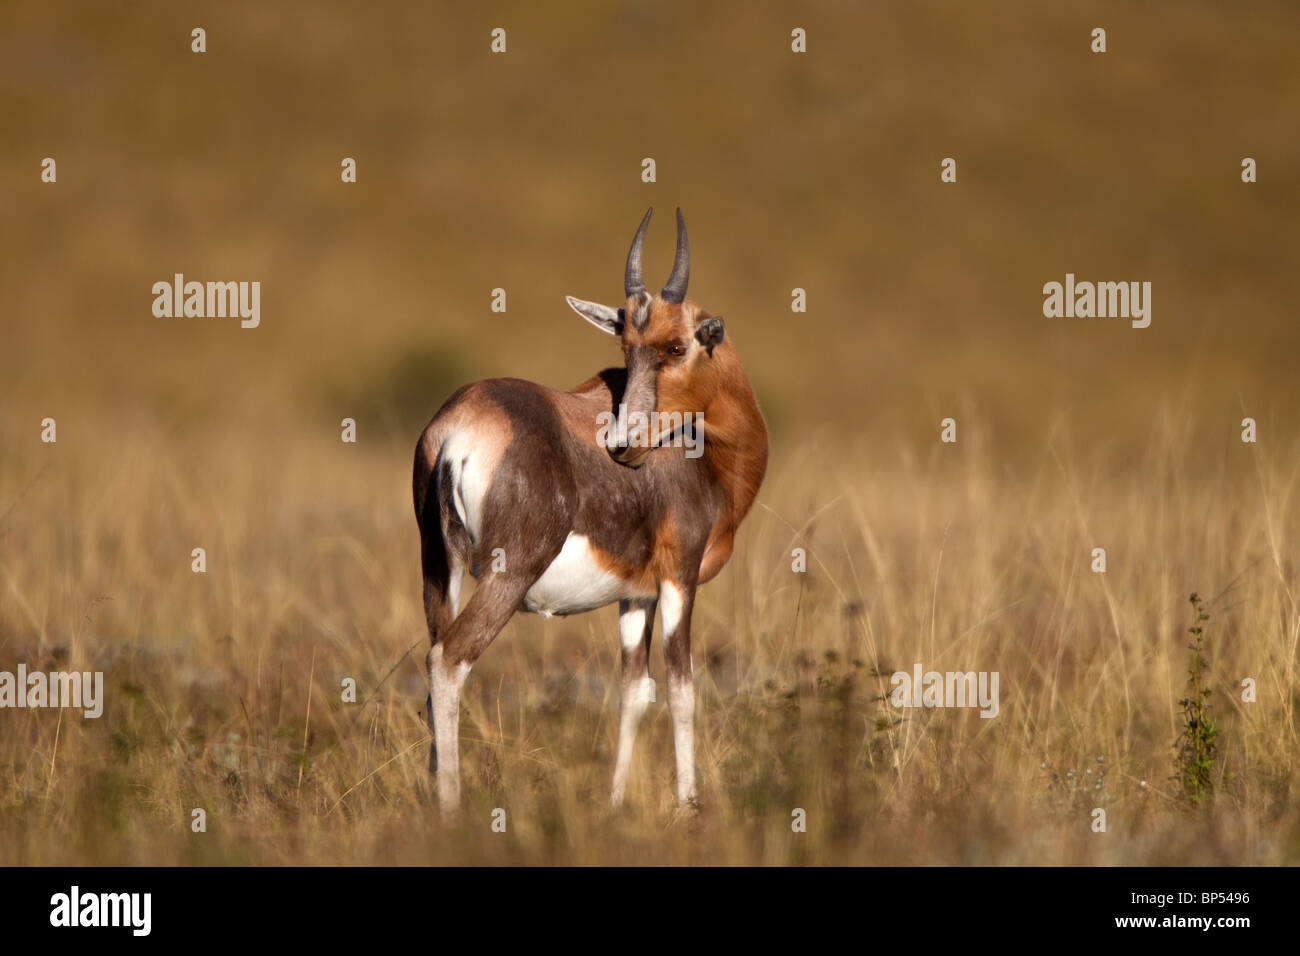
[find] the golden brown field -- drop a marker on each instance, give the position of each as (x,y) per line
(521,171)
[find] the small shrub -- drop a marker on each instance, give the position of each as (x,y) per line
(1197,742)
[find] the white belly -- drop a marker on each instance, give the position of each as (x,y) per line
(574,582)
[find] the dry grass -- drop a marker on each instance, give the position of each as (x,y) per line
(934,554)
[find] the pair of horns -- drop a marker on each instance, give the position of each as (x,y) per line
(675,291)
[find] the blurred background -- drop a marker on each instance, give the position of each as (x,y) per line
(522,171)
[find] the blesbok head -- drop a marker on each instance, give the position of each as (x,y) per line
(668,348)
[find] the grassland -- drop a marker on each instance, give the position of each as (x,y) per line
(935,556)
(224,688)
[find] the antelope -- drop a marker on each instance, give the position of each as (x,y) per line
(554,513)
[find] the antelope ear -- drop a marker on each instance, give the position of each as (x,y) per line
(711,332)
(603,317)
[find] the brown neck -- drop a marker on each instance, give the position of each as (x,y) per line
(735,436)
(735,445)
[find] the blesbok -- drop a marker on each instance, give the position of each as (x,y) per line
(556,512)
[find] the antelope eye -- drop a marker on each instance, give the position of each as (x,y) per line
(676,350)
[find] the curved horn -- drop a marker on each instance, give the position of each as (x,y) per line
(632,281)
(675,290)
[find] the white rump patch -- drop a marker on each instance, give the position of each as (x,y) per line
(471,474)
